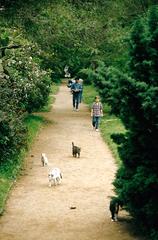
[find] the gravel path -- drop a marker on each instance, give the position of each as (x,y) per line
(36,211)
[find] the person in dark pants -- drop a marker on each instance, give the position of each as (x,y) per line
(76,88)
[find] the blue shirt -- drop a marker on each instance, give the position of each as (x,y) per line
(76,87)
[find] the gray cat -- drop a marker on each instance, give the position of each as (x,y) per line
(75,150)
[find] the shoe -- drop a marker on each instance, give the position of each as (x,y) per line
(97,130)
(77,110)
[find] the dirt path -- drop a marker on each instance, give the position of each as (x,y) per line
(35,211)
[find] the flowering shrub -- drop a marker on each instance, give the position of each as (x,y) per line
(24,87)
(31,84)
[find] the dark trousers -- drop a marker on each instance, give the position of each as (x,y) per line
(75,99)
(113,215)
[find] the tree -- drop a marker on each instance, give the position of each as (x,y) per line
(137,179)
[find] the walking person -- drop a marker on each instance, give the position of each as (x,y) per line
(96,113)
(81,92)
(76,88)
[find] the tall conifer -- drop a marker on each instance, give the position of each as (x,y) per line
(137,179)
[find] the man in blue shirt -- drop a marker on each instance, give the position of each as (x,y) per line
(76,88)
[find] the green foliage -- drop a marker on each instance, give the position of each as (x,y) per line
(31,84)
(89,94)
(51,98)
(12,135)
(87,74)
(132,95)
(134,100)
(4,39)
(139,54)
(24,87)
(111,125)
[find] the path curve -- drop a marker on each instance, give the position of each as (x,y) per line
(35,211)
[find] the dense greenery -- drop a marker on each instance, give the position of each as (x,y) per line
(132,95)
(112,44)
(24,87)
(137,179)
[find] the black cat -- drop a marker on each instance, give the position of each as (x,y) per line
(114,207)
(75,150)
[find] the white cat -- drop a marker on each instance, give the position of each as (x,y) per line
(44,159)
(54,176)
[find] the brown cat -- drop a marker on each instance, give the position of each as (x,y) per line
(75,150)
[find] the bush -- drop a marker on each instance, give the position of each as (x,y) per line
(134,100)
(24,87)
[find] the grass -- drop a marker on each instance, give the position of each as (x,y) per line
(10,170)
(33,123)
(109,126)
(5,185)
(109,123)
(89,94)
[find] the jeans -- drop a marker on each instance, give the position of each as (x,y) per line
(75,99)
(96,121)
